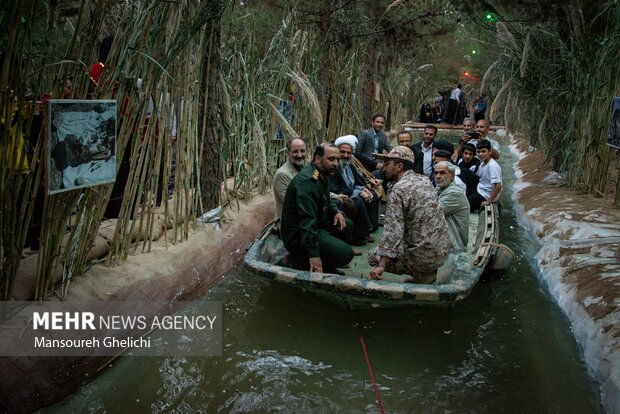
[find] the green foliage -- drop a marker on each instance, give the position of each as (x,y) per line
(564,75)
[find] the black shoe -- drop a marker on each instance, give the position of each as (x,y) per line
(358,242)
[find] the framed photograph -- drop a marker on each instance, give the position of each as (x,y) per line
(613,135)
(81,144)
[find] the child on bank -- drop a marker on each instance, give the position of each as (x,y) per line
(490,174)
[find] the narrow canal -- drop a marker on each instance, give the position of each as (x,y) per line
(506,348)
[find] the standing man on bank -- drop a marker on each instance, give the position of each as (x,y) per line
(455,101)
(415,237)
(296,149)
(312,226)
(372,140)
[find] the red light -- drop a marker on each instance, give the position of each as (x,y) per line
(466,74)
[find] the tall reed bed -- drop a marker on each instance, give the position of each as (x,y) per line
(561,78)
(158,43)
(326,84)
(20,169)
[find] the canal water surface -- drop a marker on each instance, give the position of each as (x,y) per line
(506,348)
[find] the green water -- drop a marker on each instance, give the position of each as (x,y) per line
(506,348)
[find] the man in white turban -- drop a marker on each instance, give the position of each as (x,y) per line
(360,203)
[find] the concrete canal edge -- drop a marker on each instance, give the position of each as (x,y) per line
(182,272)
(578,260)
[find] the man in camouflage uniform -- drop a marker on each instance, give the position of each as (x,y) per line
(415,234)
(312,226)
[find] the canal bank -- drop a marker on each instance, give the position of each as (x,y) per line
(578,260)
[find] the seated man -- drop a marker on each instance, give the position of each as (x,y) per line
(372,140)
(415,238)
(490,174)
(464,178)
(405,139)
(312,226)
(443,155)
(482,128)
(468,160)
(454,205)
(426,149)
(347,183)
(296,149)
(469,136)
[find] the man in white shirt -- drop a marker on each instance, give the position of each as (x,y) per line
(453,104)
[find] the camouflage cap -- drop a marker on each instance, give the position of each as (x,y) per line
(399,152)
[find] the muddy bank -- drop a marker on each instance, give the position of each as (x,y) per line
(180,272)
(579,237)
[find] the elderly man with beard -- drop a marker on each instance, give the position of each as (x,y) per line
(312,226)
(296,148)
(454,204)
(348,184)
(415,237)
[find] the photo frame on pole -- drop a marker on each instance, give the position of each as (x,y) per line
(81,144)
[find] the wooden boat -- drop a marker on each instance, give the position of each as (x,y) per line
(267,257)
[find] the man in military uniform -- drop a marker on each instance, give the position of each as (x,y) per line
(312,227)
(415,235)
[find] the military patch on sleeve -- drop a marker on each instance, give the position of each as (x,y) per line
(315,175)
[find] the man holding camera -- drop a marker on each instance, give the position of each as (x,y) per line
(482,129)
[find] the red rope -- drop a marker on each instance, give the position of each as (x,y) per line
(372,376)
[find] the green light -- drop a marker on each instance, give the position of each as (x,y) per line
(489,16)
(473,52)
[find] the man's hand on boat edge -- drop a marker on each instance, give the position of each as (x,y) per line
(375,274)
(316,265)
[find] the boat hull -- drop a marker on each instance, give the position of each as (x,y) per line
(267,258)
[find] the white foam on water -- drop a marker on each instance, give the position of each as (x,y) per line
(598,338)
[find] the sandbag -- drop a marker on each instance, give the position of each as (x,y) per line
(100,248)
(107,228)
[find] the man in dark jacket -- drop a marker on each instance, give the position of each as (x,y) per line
(405,139)
(372,140)
(426,149)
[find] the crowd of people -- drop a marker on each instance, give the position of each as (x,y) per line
(453,108)
(333,204)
